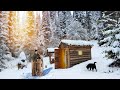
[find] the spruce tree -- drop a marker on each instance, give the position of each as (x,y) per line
(45,31)
(111,34)
(5,54)
(31,34)
(64,19)
(13,35)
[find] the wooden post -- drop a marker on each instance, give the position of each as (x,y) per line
(90,52)
(50,58)
(67,58)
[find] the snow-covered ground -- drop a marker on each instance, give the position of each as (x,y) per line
(78,71)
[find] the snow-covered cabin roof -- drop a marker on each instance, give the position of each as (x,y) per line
(77,42)
(51,49)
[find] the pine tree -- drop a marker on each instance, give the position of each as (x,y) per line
(88,20)
(64,19)
(100,26)
(19,32)
(75,31)
(94,17)
(80,16)
(31,34)
(45,31)
(13,35)
(38,26)
(54,39)
(111,33)
(5,54)
(37,22)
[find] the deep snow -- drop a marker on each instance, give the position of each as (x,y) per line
(78,71)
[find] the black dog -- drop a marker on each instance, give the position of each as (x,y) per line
(91,66)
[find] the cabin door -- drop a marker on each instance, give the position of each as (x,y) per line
(57,58)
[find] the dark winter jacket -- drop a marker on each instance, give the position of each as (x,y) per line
(35,57)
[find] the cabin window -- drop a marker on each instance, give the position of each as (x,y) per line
(80,52)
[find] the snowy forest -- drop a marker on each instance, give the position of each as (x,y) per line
(25,31)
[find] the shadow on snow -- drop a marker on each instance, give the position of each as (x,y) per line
(29,75)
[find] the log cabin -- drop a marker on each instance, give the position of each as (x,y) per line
(72,52)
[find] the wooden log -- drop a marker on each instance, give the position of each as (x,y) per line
(83,54)
(84,50)
(72,64)
(79,58)
(76,62)
(76,52)
(80,49)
